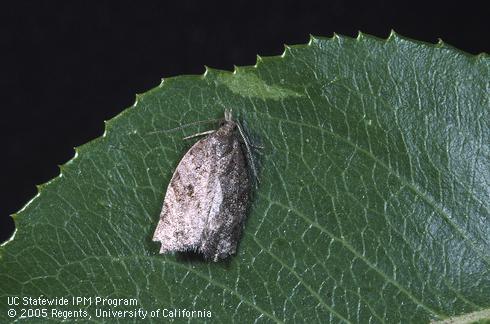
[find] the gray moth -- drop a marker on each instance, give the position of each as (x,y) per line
(206,201)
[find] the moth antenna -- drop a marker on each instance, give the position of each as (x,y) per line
(249,151)
(200,134)
(186,125)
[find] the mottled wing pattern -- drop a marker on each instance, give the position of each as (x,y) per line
(229,189)
(206,201)
(181,219)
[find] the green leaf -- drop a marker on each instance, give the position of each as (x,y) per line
(372,206)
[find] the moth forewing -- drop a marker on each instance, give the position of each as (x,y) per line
(207,199)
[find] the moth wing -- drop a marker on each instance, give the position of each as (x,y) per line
(182,218)
(227,211)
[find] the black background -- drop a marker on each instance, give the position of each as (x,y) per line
(67,66)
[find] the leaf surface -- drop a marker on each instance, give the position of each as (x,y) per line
(372,206)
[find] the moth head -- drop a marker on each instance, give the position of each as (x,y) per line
(227,125)
(228,115)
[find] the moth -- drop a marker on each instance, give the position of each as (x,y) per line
(206,201)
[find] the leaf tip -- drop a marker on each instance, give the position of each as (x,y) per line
(311,40)
(138,98)
(315,40)
(209,71)
(106,128)
(393,35)
(76,152)
(206,71)
(62,169)
(287,49)
(441,44)
(258,60)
